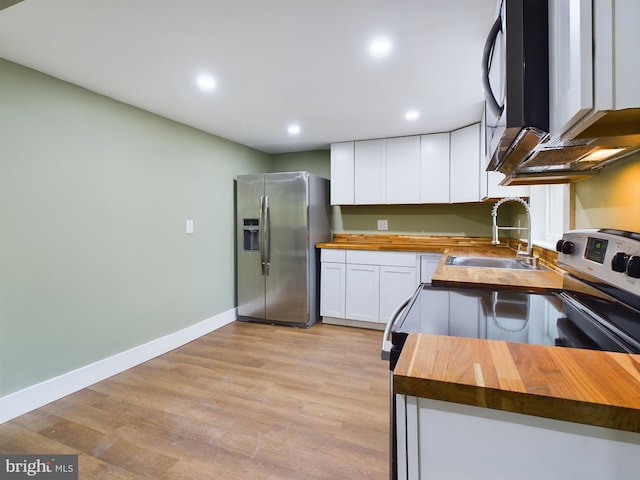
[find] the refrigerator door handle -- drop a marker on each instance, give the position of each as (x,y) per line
(261,222)
(267,235)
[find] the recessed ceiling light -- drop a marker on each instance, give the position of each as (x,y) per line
(380,47)
(294,129)
(412,115)
(206,82)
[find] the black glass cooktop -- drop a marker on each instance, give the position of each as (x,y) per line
(514,315)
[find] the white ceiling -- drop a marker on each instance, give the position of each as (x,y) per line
(275,62)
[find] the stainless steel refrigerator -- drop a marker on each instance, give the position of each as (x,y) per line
(280,217)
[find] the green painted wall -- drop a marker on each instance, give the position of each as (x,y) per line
(317,162)
(611,198)
(457,219)
(94,195)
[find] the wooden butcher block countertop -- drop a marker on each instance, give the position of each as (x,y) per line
(547,278)
(401,243)
(582,386)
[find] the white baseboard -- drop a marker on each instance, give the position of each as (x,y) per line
(347,322)
(40,394)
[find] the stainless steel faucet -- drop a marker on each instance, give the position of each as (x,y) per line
(496,228)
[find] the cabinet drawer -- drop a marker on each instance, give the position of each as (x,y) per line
(368,257)
(331,255)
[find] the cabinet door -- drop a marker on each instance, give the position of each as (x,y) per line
(428,264)
(396,284)
(342,171)
(370,172)
(363,292)
(403,170)
(570,63)
(465,158)
(434,168)
(495,190)
(332,290)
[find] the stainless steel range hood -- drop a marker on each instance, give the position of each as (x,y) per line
(591,80)
(535,158)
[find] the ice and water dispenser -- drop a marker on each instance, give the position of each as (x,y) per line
(250,229)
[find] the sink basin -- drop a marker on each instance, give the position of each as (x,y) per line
(487,262)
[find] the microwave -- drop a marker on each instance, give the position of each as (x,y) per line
(515,77)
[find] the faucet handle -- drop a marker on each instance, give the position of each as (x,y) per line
(522,253)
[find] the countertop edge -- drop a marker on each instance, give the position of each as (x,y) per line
(589,387)
(402,243)
(587,413)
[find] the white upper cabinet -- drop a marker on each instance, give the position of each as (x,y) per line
(624,70)
(570,63)
(594,65)
(495,190)
(434,168)
(465,157)
(342,173)
(370,172)
(403,163)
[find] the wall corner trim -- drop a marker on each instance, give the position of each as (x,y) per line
(40,394)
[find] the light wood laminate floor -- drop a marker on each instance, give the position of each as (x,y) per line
(248,401)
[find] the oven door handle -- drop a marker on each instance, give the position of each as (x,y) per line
(386,339)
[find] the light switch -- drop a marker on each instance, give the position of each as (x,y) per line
(383,224)
(189,226)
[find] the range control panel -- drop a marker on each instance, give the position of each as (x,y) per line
(604,255)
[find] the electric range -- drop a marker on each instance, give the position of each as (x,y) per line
(598,307)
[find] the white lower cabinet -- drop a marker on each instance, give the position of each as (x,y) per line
(365,287)
(332,283)
(428,265)
(363,292)
(447,440)
(396,284)
(332,288)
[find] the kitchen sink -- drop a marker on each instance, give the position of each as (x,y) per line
(488,262)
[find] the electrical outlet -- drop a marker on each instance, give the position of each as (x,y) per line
(189,226)
(383,224)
